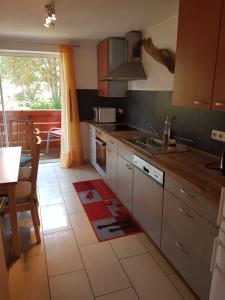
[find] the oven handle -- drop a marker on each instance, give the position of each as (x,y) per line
(102,143)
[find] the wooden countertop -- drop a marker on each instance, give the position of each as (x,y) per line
(187,167)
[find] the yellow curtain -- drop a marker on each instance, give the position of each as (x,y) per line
(71,146)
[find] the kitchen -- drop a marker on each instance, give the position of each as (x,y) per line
(184,220)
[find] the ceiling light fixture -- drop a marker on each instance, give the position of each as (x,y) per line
(51,17)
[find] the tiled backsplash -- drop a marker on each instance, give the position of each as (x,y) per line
(149,108)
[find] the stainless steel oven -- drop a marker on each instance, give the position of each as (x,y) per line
(101,150)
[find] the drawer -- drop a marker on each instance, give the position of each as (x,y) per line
(200,204)
(197,233)
(126,152)
(111,143)
(194,271)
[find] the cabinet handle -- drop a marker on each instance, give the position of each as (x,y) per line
(181,209)
(178,244)
(107,149)
(219,103)
(129,167)
(182,190)
(199,102)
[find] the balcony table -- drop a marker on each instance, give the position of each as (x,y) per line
(9,172)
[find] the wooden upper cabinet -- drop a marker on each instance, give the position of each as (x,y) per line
(102,58)
(218,102)
(197,42)
(111,53)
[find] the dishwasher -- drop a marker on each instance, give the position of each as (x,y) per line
(148,182)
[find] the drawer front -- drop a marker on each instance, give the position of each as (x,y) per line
(111,143)
(197,233)
(194,271)
(200,204)
(126,152)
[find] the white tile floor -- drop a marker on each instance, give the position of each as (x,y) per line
(71,265)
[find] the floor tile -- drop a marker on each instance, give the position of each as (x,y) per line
(148,279)
(165,266)
(72,286)
(82,228)
(54,218)
(47,179)
(182,288)
(29,246)
(50,195)
(62,253)
(127,294)
(28,279)
(72,201)
(127,246)
(66,183)
(62,173)
(83,173)
(104,270)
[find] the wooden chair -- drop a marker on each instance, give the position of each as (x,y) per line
(25,192)
(21,134)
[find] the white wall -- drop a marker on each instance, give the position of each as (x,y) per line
(164,35)
(85,65)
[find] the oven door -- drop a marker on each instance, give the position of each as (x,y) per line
(101,153)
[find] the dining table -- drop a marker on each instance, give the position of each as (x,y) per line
(9,173)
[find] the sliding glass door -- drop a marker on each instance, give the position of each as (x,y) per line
(3,123)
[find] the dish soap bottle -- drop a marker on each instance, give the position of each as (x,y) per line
(166,131)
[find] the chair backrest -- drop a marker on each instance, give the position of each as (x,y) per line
(35,161)
(21,134)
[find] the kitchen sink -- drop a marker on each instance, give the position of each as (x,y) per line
(155,146)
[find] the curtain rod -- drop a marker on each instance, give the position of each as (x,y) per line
(42,44)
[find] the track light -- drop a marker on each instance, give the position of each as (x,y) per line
(51,17)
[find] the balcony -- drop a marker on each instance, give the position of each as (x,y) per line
(43,120)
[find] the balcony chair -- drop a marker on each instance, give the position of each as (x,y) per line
(25,192)
(55,133)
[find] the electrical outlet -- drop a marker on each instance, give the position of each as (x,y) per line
(120,111)
(218,135)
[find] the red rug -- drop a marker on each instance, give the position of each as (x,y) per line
(107,215)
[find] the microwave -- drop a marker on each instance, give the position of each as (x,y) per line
(104,114)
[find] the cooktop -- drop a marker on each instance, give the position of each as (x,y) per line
(117,127)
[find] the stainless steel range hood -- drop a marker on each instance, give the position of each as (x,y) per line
(133,68)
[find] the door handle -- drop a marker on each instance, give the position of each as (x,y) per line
(182,210)
(129,166)
(182,190)
(178,244)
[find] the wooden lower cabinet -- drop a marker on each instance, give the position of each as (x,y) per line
(124,182)
(148,205)
(193,270)
(187,241)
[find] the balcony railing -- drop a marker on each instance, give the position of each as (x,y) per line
(43,120)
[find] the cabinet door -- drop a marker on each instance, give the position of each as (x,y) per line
(111,168)
(218,102)
(124,182)
(147,204)
(102,58)
(197,41)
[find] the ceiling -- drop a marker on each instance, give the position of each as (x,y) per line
(80,19)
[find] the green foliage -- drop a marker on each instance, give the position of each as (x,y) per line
(32,75)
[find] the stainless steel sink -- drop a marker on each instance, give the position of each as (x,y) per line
(155,146)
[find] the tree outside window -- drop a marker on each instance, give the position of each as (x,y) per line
(30,82)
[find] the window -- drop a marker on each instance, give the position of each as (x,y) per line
(30,82)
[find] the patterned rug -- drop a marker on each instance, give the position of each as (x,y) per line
(107,215)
